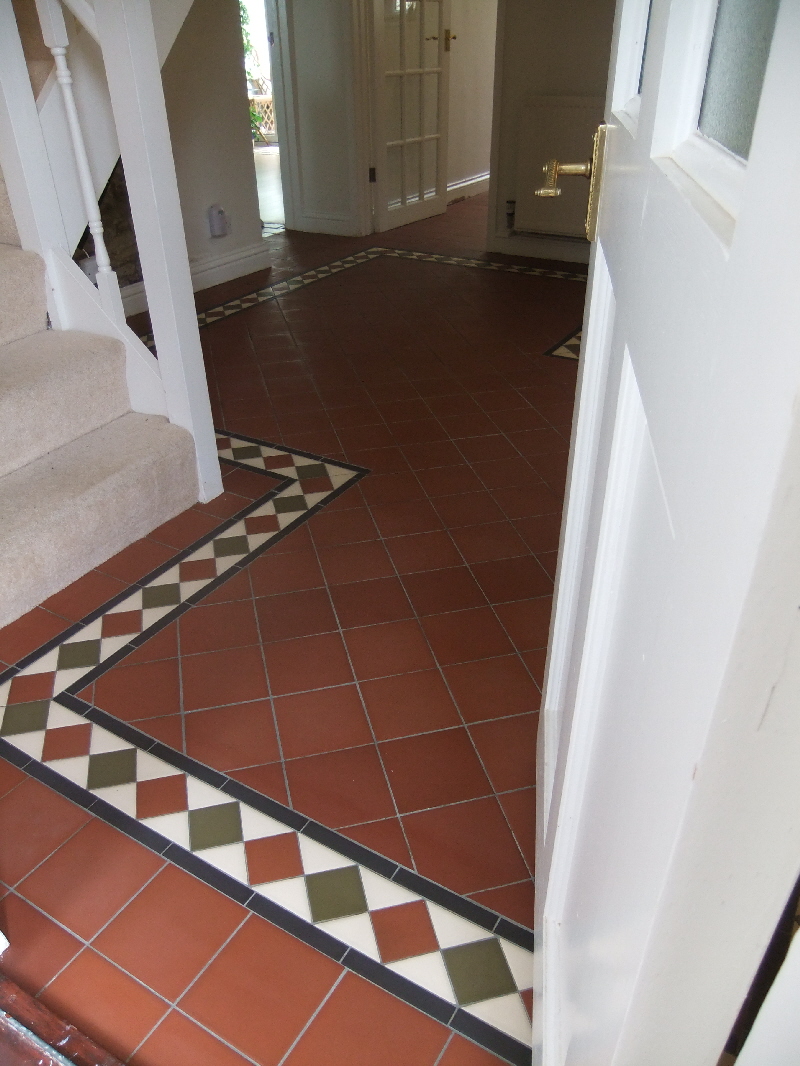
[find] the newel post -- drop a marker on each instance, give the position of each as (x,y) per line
(125,29)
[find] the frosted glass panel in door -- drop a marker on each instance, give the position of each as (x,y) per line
(736,66)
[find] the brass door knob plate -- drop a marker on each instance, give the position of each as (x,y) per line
(592,170)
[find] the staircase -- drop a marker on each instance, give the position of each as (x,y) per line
(81,475)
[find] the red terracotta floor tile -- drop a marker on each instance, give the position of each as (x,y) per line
(33,822)
(492,688)
(147,690)
(333,527)
(38,947)
(163,645)
(268,780)
(307,663)
(133,562)
(507,747)
(221,625)
(391,488)
(85,882)
(399,519)
(229,737)
(404,931)
(442,842)
(235,588)
(512,579)
(361,1024)
(437,591)
(495,540)
(178,1041)
(260,991)
(514,901)
(272,574)
(391,648)
(384,836)
(324,720)
(186,528)
(535,661)
(169,729)
(340,788)
(105,1003)
(84,595)
(468,509)
(527,622)
(483,449)
(405,704)
(433,769)
(520,810)
(423,551)
(215,678)
(463,636)
(367,603)
(527,502)
(10,777)
(461,1052)
(29,633)
(295,614)
(355,562)
(186,919)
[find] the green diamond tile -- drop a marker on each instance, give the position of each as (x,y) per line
(478,971)
(249,451)
(312,470)
(336,894)
(109,768)
(24,718)
(79,653)
(287,504)
(161,596)
(231,546)
(209,827)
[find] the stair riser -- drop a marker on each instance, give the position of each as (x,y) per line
(23,304)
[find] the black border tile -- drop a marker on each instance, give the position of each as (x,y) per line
(513,1051)
(378,974)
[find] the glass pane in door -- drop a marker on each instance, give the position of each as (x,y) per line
(736,66)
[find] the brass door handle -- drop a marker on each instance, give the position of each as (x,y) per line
(448,37)
(593,170)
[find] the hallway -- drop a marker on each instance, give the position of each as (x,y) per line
(375,668)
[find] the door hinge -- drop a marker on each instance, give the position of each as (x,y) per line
(372,176)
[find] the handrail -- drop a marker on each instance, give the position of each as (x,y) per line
(84,13)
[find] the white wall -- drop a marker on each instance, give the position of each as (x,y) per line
(544,48)
(206,97)
(471,85)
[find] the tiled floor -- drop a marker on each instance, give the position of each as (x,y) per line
(377,669)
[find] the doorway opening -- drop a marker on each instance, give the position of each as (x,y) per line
(266,147)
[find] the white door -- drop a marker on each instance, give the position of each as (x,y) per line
(411,63)
(669,838)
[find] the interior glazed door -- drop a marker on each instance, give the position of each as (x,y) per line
(411,67)
(669,836)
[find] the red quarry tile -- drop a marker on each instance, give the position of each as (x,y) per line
(307,663)
(246,483)
(146,690)
(33,822)
(466,846)
(527,622)
(365,603)
(492,688)
(419,431)
(268,780)
(391,648)
(449,480)
(502,473)
(162,795)
(230,737)
(406,704)
(399,519)
(122,624)
(235,588)
(468,509)
(67,742)
(482,449)
(138,559)
(25,687)
(434,453)
(323,720)
(273,858)
(437,591)
(403,410)
(333,527)
(295,614)
(423,551)
(361,1025)
(355,562)
(391,488)
(507,747)
(272,574)
(357,438)
(186,919)
(535,661)
(512,579)
(495,540)
(220,677)
(179,1042)
(381,460)
(340,788)
(38,947)
(463,636)
(404,931)
(185,528)
(169,729)
(90,878)
(384,836)
(10,777)
(461,1052)
(162,645)
(223,506)
(84,595)
(520,810)
(527,502)
(28,633)
(221,625)
(433,769)
(104,1003)
(260,990)
(514,901)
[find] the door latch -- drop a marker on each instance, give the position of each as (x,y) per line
(593,170)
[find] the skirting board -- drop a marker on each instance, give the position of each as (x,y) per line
(211,270)
(469,186)
(565,250)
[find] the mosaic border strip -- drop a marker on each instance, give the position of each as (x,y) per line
(472,965)
(569,347)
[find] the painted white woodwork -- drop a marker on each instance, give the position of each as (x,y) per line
(774,1039)
(411,79)
(669,840)
(543,49)
(319,64)
(134,80)
(469,141)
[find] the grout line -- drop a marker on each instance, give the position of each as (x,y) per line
(313,1017)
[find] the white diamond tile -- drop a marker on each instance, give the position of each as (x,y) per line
(256,825)
(74,769)
(59,717)
(31,743)
(317,858)
(148,767)
(520,962)
(42,665)
(355,930)
(506,1013)
(381,892)
(173,826)
(451,929)
(290,894)
(229,858)
(102,740)
(428,971)
(123,797)
(65,678)
(202,795)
